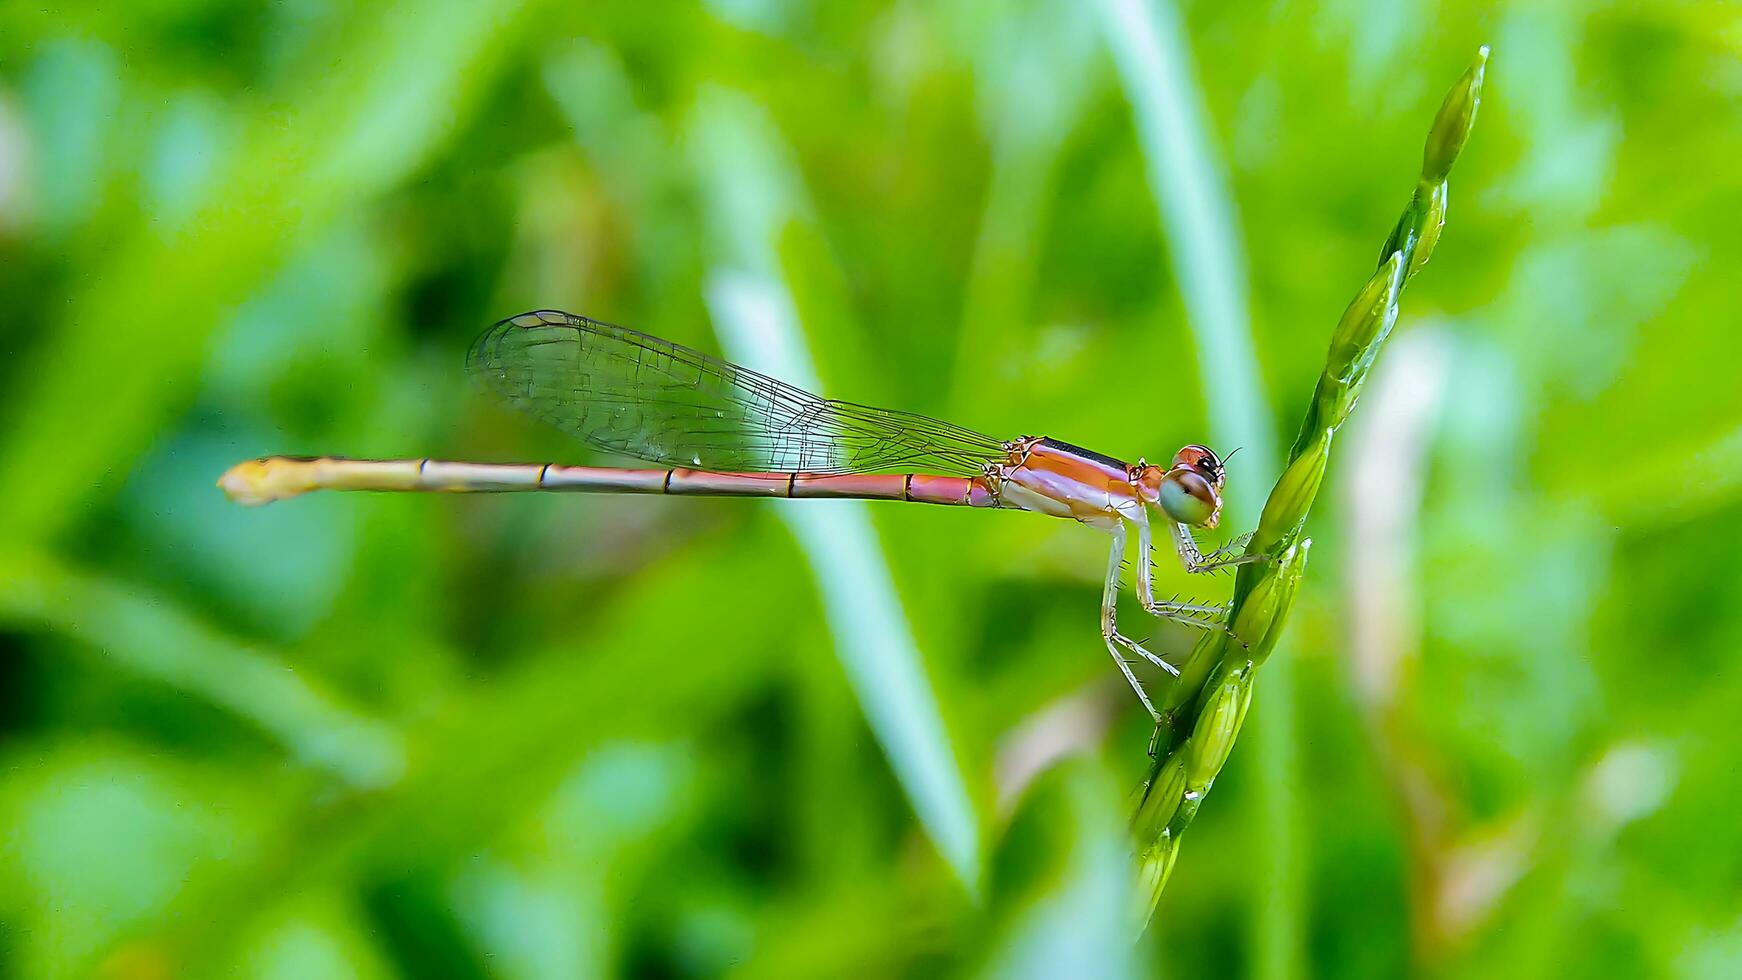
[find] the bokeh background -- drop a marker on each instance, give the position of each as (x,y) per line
(549,737)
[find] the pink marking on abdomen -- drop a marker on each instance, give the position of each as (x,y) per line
(919,487)
(851,486)
(704,483)
(958,491)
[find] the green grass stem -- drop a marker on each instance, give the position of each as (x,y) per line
(1203,711)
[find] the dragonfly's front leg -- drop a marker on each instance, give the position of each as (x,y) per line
(1202,616)
(1110,630)
(1195,561)
(1233,547)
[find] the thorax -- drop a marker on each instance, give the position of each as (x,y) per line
(1057,478)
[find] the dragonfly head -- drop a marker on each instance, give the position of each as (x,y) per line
(1189,491)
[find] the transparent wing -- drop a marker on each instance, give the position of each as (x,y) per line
(626,392)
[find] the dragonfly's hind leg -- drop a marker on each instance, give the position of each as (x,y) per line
(1200,615)
(1110,631)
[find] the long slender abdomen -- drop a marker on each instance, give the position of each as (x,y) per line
(261,481)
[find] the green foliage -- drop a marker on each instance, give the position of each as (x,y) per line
(1199,724)
(522,737)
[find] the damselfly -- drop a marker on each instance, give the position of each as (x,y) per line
(715,428)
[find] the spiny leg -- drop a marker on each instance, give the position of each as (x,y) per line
(1233,547)
(1194,614)
(1195,561)
(1110,632)
(1199,615)
(1109,602)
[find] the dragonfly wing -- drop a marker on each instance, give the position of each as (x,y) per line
(623,391)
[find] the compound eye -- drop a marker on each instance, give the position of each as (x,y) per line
(1192,456)
(1188,498)
(1203,460)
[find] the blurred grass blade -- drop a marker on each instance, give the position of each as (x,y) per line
(122,355)
(1061,880)
(752,193)
(1711,478)
(1198,219)
(495,751)
(1032,80)
(1149,46)
(148,636)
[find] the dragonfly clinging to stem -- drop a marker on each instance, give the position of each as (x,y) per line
(717,429)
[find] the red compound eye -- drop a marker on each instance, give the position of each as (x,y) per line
(1204,461)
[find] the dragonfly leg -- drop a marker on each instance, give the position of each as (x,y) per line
(1196,561)
(1204,617)
(1198,615)
(1233,547)
(1110,632)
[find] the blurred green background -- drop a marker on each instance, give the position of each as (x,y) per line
(550,737)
